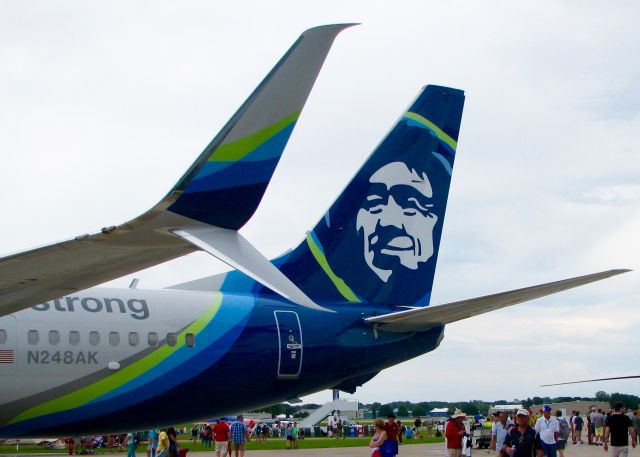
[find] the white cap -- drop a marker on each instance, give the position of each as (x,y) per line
(522,412)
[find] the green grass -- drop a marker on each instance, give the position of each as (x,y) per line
(271,444)
(28,449)
(312,443)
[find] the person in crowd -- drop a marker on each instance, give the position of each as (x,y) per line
(635,421)
(131,445)
(69,443)
(533,418)
(618,426)
(221,436)
(173,442)
(547,428)
(393,430)
(288,435)
(296,435)
(379,437)
(239,436)
(265,433)
(454,433)
(578,424)
(417,424)
(257,431)
(521,439)
(152,443)
(598,423)
(401,433)
(564,431)
(162,449)
(499,431)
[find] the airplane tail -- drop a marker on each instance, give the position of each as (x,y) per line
(379,241)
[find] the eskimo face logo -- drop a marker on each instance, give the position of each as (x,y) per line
(397,220)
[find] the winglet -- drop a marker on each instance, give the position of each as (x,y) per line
(226,183)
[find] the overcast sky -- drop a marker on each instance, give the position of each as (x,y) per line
(104,105)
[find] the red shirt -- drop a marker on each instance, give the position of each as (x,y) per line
(392,430)
(221,431)
(454,441)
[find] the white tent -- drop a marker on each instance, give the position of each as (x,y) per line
(439,412)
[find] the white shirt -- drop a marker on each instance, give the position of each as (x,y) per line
(546,429)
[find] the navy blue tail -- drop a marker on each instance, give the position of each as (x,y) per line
(379,241)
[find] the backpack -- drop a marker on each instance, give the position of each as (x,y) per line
(564,429)
(579,422)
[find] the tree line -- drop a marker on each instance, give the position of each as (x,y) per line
(471,407)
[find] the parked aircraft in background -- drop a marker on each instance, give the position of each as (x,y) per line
(349,301)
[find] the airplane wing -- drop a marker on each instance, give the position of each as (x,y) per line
(591,380)
(418,319)
(221,189)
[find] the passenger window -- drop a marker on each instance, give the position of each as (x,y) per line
(152,339)
(94,338)
(134,339)
(114,338)
(54,337)
(190,340)
(33,337)
(3,336)
(172,339)
(74,337)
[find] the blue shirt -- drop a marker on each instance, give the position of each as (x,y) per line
(238,431)
(500,432)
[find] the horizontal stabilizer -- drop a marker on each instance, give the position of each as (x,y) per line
(418,319)
(234,250)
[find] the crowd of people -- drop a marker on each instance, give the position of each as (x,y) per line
(525,434)
(547,435)
(229,438)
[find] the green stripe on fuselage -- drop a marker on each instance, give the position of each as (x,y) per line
(236,150)
(116,380)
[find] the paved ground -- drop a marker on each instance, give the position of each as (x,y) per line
(423,450)
(414,450)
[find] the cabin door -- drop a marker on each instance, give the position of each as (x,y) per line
(289,343)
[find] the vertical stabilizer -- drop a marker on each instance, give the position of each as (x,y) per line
(379,241)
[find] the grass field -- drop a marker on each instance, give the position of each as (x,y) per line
(271,444)
(27,449)
(317,443)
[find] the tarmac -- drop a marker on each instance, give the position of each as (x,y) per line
(413,450)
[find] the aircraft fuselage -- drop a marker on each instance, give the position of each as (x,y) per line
(110,360)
